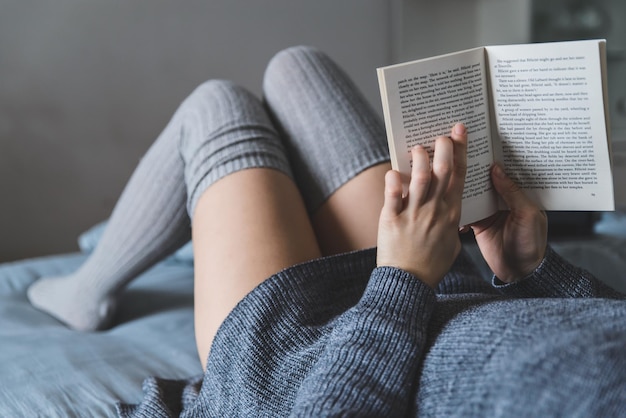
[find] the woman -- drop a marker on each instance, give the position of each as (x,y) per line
(297,314)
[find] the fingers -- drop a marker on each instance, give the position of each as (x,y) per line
(459,139)
(443,163)
(420,175)
(513,196)
(393,202)
(450,163)
(446,177)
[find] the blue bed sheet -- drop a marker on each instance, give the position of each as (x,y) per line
(48,370)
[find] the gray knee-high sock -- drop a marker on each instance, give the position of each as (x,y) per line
(233,133)
(218,129)
(330,130)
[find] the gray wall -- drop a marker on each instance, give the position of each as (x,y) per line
(439,27)
(85,87)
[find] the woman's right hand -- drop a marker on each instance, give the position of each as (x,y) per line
(418,232)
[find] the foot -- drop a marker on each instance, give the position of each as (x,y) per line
(66,301)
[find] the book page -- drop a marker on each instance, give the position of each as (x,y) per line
(424,99)
(550,118)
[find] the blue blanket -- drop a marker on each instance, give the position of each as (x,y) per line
(51,371)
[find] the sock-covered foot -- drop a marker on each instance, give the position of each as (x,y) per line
(64,298)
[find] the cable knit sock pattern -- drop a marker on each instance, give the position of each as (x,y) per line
(330,130)
(217,130)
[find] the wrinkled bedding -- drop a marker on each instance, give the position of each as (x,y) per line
(48,370)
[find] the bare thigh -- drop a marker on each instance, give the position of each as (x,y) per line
(246,227)
(348,220)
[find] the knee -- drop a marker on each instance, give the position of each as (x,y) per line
(291,63)
(216,92)
(293,54)
(215,106)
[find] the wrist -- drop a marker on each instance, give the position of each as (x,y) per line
(519,273)
(520,267)
(429,280)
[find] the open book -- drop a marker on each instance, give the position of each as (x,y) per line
(540,110)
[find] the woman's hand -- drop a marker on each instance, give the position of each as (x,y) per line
(512,242)
(419,232)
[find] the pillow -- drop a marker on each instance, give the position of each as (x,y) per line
(88,240)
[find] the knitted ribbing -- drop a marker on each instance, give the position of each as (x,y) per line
(557,278)
(331,338)
(330,130)
(225,129)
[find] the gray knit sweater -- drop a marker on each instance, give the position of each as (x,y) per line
(339,337)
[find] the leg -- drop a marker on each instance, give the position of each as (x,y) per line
(348,219)
(149,222)
(246,227)
(247,224)
(336,144)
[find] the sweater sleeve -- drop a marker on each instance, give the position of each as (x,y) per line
(370,361)
(557,278)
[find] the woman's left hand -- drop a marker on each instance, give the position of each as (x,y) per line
(513,242)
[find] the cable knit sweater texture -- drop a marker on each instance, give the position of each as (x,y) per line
(339,337)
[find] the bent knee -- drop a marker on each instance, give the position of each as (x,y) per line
(292,61)
(214,93)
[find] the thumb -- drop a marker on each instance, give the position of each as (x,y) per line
(508,189)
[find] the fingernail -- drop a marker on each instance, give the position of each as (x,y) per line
(459,129)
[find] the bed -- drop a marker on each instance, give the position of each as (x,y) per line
(51,371)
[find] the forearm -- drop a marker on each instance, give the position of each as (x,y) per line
(370,361)
(555,277)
